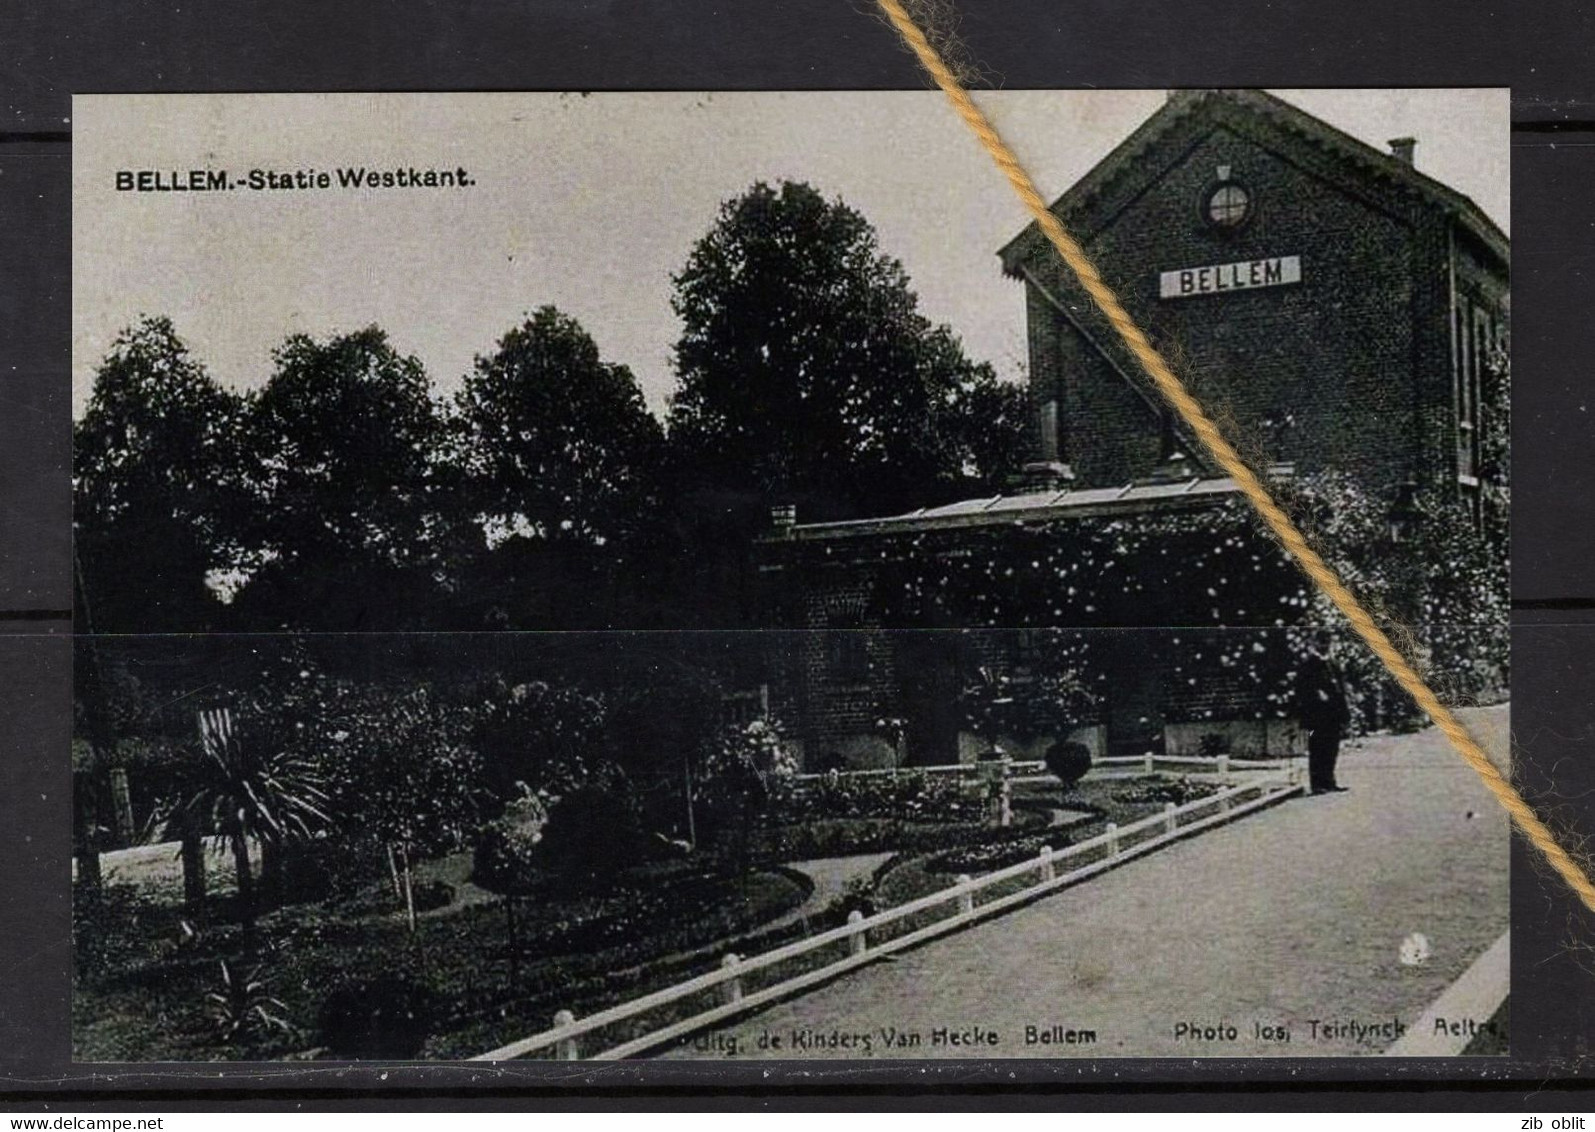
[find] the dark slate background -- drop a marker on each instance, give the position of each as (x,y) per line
(49,51)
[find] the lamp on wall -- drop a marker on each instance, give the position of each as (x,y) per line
(1404,514)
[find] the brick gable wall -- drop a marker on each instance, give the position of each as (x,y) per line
(1322,373)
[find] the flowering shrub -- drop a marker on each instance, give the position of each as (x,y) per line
(891,728)
(538,737)
(1248,612)
(743,768)
(504,860)
(909,796)
(1456,565)
(1052,699)
(756,747)
(1157,792)
(993,855)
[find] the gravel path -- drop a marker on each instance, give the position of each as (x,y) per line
(830,876)
(1289,916)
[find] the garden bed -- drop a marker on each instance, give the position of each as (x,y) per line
(851,837)
(141,992)
(911,875)
(142,985)
(849,815)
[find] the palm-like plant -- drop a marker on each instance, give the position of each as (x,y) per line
(255,788)
(243,1003)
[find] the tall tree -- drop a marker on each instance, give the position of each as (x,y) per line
(155,480)
(807,373)
(349,468)
(560,458)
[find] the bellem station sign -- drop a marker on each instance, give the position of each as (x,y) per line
(1242,276)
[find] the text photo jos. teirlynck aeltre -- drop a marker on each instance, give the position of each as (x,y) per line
(693,575)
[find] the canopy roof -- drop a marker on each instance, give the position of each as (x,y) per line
(1031,507)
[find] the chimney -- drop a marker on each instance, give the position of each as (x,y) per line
(1401,149)
(1046,475)
(1174,467)
(783,517)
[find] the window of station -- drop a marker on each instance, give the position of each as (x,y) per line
(847,655)
(1228,205)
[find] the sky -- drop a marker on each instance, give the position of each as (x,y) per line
(590,203)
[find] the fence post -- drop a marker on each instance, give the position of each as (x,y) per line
(857,943)
(1005,800)
(966,895)
(731,989)
(565,1049)
(1223,802)
(1170,822)
(1223,769)
(1047,871)
(1113,839)
(1149,762)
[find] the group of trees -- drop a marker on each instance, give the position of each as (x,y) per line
(345,493)
(289,760)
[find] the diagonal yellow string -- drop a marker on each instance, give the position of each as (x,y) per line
(1174,391)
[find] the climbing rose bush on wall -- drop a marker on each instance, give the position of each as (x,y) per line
(1245,610)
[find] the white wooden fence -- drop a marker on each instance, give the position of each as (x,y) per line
(1035,770)
(731,983)
(1033,766)
(1222,766)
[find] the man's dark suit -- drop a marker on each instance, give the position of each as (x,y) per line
(1321,709)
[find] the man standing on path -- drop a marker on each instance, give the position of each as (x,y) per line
(1322,713)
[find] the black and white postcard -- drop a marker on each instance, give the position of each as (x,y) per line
(692,575)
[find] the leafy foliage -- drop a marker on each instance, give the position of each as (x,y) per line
(349,518)
(741,773)
(560,465)
(998,853)
(380,899)
(386,1018)
(1157,791)
(1051,698)
(538,737)
(756,749)
(255,782)
(808,374)
(593,832)
(113,931)
(154,484)
(908,796)
(403,769)
(505,859)
(559,445)
(1457,564)
(343,495)
(1068,761)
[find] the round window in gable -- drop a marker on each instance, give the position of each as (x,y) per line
(1228,205)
